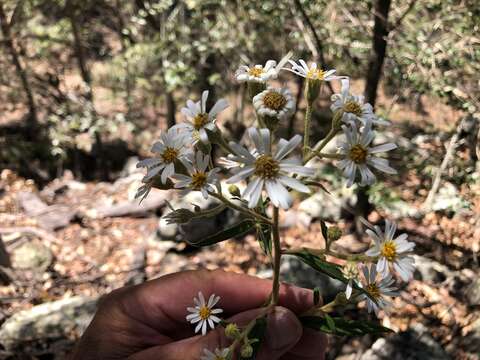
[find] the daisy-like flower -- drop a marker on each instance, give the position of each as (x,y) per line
(359,155)
(377,289)
(353,106)
(260,73)
(350,271)
(312,72)
(392,251)
(274,103)
(219,354)
(203,313)
(268,170)
(170,148)
(199,178)
(199,119)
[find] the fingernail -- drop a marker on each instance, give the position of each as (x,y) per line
(283,329)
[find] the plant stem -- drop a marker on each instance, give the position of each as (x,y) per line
(306,135)
(331,134)
(323,252)
(247,212)
(277,254)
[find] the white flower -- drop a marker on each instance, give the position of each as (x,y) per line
(353,106)
(392,251)
(350,271)
(275,103)
(267,170)
(259,73)
(358,154)
(199,119)
(203,313)
(312,72)
(199,178)
(377,289)
(170,148)
(219,354)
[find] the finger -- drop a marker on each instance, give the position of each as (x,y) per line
(151,301)
(311,346)
(191,348)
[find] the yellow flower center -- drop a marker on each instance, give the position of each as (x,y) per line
(373,290)
(389,250)
(169,155)
(315,74)
(198,180)
(358,154)
(266,167)
(255,71)
(200,120)
(353,107)
(274,100)
(204,313)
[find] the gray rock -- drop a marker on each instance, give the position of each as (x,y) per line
(324,206)
(414,344)
(56,319)
(448,198)
(473,293)
(155,200)
(431,271)
(296,272)
(33,256)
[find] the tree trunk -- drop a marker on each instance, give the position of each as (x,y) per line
(379,46)
(22,74)
(171,109)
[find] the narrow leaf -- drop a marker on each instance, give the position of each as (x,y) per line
(316,296)
(238,229)
(264,236)
(343,327)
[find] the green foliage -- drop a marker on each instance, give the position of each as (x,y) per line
(343,327)
(236,230)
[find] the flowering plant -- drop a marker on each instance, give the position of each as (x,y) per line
(268,169)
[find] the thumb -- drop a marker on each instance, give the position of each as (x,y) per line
(283,332)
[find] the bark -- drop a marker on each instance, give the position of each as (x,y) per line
(379,47)
(171,109)
(20,69)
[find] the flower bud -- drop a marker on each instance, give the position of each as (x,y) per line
(246,351)
(232,331)
(234,190)
(334,233)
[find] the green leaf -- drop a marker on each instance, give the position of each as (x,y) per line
(343,327)
(264,236)
(238,229)
(325,267)
(316,296)
(258,333)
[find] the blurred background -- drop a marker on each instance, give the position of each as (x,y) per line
(87,85)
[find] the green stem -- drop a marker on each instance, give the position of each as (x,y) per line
(306,135)
(331,134)
(277,254)
(323,252)
(246,211)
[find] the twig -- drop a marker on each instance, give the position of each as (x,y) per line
(32,231)
(438,176)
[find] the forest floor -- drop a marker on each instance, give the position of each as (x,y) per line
(80,249)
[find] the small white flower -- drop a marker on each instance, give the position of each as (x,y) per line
(358,154)
(350,271)
(394,252)
(377,289)
(219,354)
(170,148)
(267,170)
(260,73)
(312,72)
(199,178)
(275,103)
(203,313)
(199,119)
(353,106)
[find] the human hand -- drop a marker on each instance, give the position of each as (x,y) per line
(148,321)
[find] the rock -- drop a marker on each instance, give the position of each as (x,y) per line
(155,200)
(58,319)
(32,255)
(130,167)
(325,206)
(293,218)
(414,344)
(473,293)
(48,217)
(431,271)
(296,272)
(448,198)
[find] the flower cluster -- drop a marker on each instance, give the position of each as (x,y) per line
(269,169)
